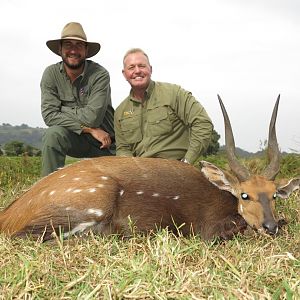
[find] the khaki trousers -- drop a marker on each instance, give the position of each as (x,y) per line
(58,142)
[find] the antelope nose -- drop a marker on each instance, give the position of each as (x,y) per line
(271,227)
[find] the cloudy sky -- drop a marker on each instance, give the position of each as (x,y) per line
(248,51)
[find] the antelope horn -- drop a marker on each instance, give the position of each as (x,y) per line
(240,171)
(273,150)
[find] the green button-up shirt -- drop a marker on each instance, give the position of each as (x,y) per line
(85,102)
(169,123)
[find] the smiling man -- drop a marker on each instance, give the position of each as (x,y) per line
(158,119)
(76,102)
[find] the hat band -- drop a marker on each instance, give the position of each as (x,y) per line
(73,36)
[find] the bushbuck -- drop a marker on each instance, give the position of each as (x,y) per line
(109,195)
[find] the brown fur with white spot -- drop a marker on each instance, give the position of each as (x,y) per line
(112,194)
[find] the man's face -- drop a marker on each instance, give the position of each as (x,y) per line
(137,70)
(73,53)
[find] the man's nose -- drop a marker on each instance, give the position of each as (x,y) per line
(137,69)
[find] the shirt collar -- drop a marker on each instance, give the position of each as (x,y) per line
(148,92)
(62,69)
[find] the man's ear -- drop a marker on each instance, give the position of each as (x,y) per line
(218,178)
(59,49)
(285,190)
(123,72)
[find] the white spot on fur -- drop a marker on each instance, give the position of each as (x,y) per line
(69,208)
(176,197)
(139,192)
(82,171)
(61,176)
(79,228)
(121,192)
(69,190)
(155,195)
(104,177)
(92,190)
(95,211)
(76,178)
(100,185)
(241,208)
(77,191)
(51,193)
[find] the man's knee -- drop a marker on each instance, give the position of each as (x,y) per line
(54,135)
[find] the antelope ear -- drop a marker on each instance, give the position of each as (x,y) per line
(217,177)
(285,190)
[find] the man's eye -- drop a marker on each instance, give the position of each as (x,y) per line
(80,46)
(67,46)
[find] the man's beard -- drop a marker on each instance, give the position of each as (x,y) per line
(73,66)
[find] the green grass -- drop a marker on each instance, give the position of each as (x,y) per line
(158,266)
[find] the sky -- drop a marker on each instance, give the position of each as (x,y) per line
(247,51)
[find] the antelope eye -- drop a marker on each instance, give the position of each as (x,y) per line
(275,196)
(244,196)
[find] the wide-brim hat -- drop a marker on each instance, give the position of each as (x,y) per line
(73,31)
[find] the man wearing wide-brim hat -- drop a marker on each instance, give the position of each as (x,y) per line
(76,102)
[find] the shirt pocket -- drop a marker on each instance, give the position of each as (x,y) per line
(131,128)
(158,121)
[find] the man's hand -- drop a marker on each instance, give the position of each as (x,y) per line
(100,135)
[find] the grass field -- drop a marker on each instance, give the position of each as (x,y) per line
(160,266)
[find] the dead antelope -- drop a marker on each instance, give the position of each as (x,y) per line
(103,194)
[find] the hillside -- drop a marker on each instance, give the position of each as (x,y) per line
(33,136)
(23,133)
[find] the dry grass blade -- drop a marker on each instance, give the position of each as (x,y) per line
(158,266)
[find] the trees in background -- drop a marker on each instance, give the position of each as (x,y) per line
(17,148)
(214,145)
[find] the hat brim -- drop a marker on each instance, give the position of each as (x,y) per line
(93,48)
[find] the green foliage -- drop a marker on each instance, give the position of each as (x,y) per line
(23,133)
(16,148)
(290,166)
(217,159)
(18,172)
(214,145)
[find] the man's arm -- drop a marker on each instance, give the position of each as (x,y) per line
(122,146)
(193,114)
(75,118)
(93,113)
